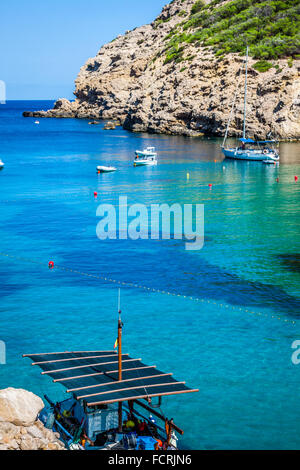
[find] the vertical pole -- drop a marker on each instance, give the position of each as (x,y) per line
(245,100)
(120,325)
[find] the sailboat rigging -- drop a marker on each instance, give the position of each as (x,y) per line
(250,149)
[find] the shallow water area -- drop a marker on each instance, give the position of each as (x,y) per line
(230,327)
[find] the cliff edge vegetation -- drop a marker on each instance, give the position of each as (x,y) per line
(179,74)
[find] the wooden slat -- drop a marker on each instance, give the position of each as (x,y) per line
(130,388)
(116,381)
(87,365)
(141,396)
(78,358)
(65,379)
(64,352)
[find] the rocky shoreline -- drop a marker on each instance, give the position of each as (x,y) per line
(19,427)
(130,81)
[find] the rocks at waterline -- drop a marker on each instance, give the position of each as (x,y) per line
(110,126)
(19,427)
(19,407)
(63,108)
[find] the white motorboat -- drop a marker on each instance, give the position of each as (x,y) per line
(105,169)
(36,122)
(1,164)
(144,157)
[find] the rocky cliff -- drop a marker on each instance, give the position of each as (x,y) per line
(133,79)
(19,427)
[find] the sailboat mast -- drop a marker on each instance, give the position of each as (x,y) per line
(120,326)
(245,100)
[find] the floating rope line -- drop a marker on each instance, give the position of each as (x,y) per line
(149,289)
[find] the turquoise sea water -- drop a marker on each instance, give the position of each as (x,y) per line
(234,343)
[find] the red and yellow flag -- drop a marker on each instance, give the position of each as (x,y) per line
(116,344)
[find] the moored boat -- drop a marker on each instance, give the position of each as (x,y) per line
(250,149)
(110,393)
(144,157)
(105,169)
(253,150)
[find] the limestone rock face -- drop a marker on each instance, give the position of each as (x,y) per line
(19,407)
(62,108)
(128,80)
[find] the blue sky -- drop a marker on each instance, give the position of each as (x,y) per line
(44,43)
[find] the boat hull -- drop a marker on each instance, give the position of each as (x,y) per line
(103,169)
(145,162)
(250,155)
(146,153)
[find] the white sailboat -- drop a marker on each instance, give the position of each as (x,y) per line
(249,149)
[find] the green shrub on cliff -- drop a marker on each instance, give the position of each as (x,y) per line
(270,28)
(198,6)
(262,66)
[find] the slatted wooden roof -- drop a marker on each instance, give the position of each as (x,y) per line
(93,376)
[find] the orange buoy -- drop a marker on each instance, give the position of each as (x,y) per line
(51,264)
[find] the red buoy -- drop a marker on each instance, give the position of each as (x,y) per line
(277,180)
(51,264)
(95,194)
(210,186)
(296,179)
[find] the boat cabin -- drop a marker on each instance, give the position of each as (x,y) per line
(257,145)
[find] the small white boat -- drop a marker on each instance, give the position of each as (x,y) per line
(1,164)
(145,157)
(36,122)
(105,169)
(271,161)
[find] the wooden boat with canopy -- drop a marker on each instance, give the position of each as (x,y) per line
(111,394)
